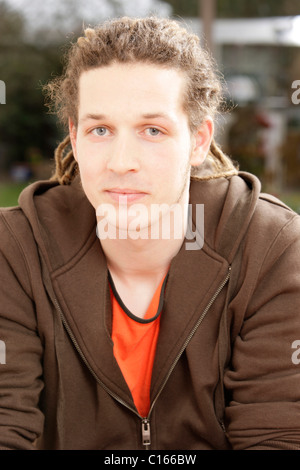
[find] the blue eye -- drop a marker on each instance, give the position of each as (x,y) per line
(99,131)
(153,131)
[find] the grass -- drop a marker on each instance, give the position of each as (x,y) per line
(9,193)
(291,199)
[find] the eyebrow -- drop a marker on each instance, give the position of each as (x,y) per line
(157,115)
(99,117)
(94,117)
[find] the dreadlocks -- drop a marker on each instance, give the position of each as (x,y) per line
(150,40)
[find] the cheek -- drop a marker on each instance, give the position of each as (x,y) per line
(180,160)
(87,169)
(174,157)
(170,174)
(89,181)
(88,163)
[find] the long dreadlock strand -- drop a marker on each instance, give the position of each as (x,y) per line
(220,165)
(66,165)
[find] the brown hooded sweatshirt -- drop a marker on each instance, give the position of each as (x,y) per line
(226,373)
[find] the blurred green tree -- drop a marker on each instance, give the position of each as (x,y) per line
(239,8)
(25,126)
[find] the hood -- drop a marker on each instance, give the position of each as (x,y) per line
(63,220)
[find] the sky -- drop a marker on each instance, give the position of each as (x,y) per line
(43,13)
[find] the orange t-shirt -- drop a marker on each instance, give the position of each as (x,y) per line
(135,341)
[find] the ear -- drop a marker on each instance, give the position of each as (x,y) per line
(73,136)
(201,142)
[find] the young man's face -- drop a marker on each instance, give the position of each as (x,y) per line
(132,142)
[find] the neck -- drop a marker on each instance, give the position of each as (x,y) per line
(140,258)
(146,256)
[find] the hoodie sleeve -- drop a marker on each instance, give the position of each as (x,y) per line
(264,376)
(21,421)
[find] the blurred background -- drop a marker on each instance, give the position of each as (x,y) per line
(256,46)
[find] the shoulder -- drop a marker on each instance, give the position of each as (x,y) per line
(269,218)
(18,251)
(275,220)
(271,245)
(13,225)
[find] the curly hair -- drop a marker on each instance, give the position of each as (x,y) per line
(157,41)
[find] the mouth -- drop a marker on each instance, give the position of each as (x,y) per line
(125,195)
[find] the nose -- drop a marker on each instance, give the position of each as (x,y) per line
(123,155)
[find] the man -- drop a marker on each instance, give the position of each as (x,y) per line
(121,331)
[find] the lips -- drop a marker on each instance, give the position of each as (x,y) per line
(124,191)
(125,195)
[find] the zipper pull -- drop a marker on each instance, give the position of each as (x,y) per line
(146,432)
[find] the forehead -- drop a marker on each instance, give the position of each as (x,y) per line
(140,88)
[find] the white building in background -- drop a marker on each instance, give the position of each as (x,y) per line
(283,31)
(260,61)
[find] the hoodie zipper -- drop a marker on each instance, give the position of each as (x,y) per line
(200,319)
(145,421)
